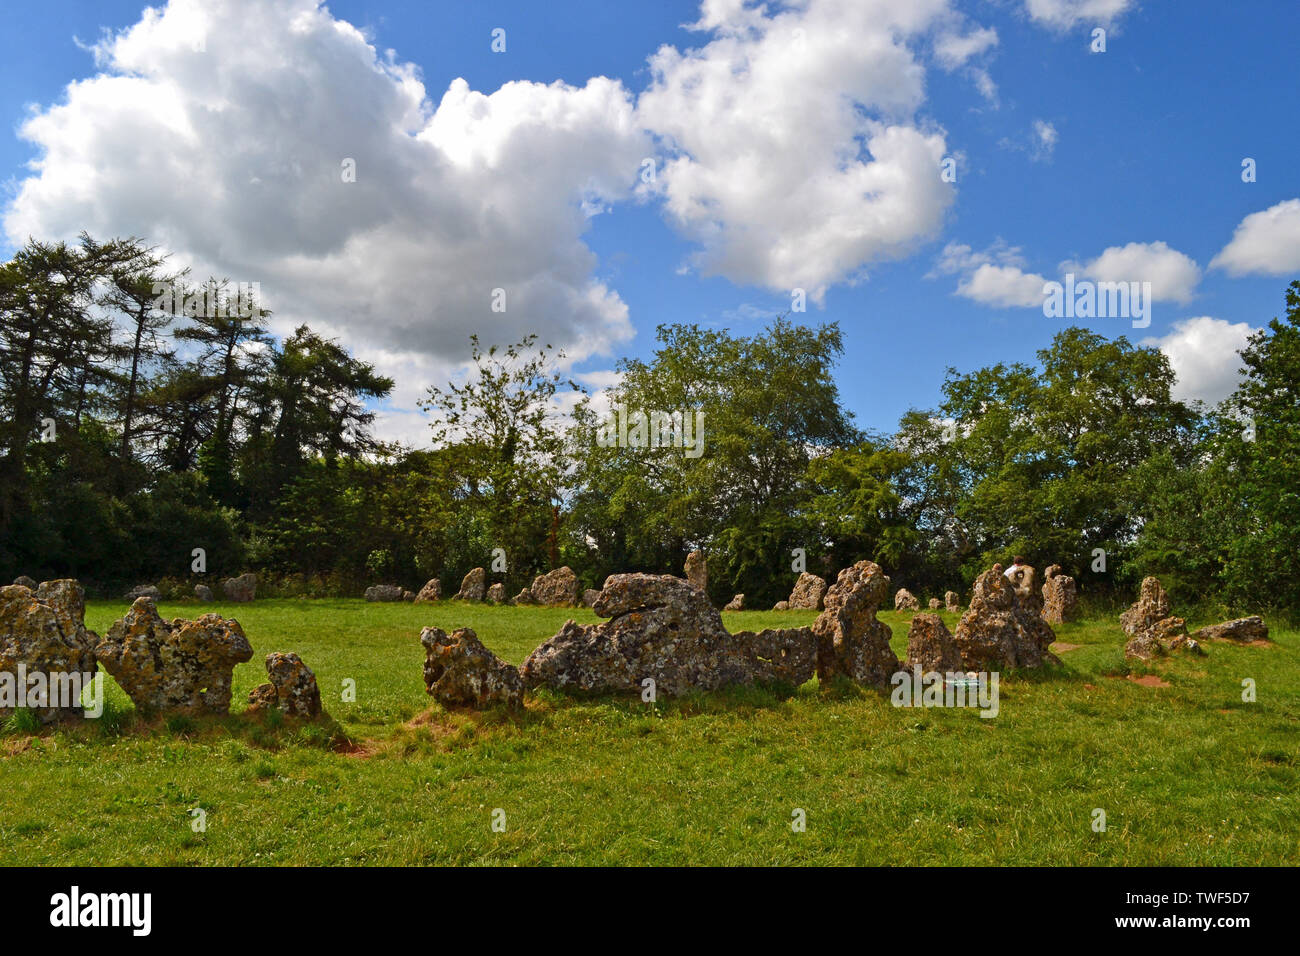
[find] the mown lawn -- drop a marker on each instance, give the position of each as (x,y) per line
(1186,774)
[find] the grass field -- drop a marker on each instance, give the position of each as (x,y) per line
(1186,774)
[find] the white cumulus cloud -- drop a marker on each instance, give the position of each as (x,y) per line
(1172,274)
(1264,243)
(795,155)
(1063,14)
(1203,353)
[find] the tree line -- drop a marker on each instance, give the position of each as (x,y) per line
(139,426)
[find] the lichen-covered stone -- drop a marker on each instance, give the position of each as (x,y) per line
(1029,593)
(998,632)
(203,592)
(930,645)
(240,589)
(1243,629)
(737,603)
(460,672)
(176,666)
(905,600)
(809,593)
(935,604)
(1060,596)
(851,642)
(23,581)
(662,628)
(388,593)
(558,588)
(952,602)
(144,590)
(589,597)
(781,606)
(780,655)
(697,570)
(432,591)
(292,689)
(473,587)
(1152,629)
(44,631)
(496,594)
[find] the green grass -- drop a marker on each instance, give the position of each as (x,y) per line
(1187,774)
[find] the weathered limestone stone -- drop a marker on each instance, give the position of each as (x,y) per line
(558,588)
(737,603)
(178,666)
(460,672)
(23,581)
(952,602)
(998,631)
(524,597)
(144,590)
(663,628)
(1152,605)
(203,592)
(809,593)
(388,592)
(905,600)
(240,589)
(473,586)
(1243,629)
(697,570)
(496,594)
(780,655)
(935,604)
(1060,596)
(781,606)
(589,597)
(43,632)
(851,642)
(292,689)
(1024,578)
(432,591)
(930,646)
(1153,629)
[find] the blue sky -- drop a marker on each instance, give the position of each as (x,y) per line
(1061,153)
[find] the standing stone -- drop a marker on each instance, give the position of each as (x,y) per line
(905,600)
(930,646)
(292,690)
(998,632)
(432,591)
(144,590)
(1152,629)
(589,597)
(1243,629)
(558,588)
(174,667)
(781,606)
(240,589)
(952,602)
(1060,596)
(496,594)
(524,598)
(44,632)
(1024,578)
(935,604)
(663,628)
(23,581)
(737,603)
(851,642)
(697,570)
(460,672)
(386,592)
(473,586)
(809,593)
(203,592)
